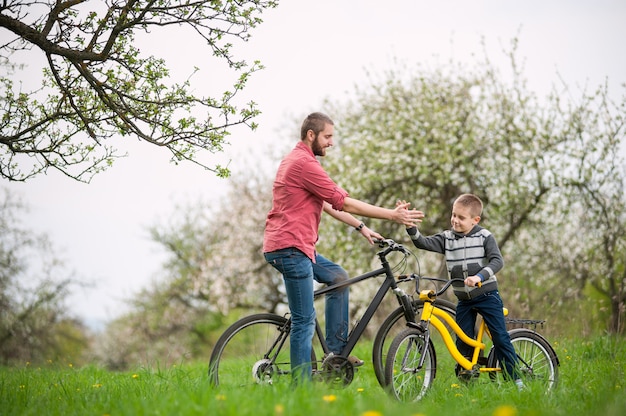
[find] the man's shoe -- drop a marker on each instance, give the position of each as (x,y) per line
(355,361)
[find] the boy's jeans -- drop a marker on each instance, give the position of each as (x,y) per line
(489,305)
(298,273)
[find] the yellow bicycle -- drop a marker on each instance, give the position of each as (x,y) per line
(411,362)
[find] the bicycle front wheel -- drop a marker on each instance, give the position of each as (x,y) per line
(405,378)
(392,326)
(255,349)
(538,363)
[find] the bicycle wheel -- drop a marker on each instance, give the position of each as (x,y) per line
(255,349)
(404,379)
(538,363)
(391,327)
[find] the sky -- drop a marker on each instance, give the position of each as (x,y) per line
(312,50)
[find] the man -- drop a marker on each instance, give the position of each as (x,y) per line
(302,190)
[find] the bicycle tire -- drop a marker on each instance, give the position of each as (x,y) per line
(538,362)
(392,326)
(251,351)
(403,379)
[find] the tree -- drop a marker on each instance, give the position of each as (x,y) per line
(98,84)
(597,189)
(34,322)
(215,270)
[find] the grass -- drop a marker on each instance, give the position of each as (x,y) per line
(592,382)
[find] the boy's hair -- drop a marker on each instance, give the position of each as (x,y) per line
(472,202)
(315,122)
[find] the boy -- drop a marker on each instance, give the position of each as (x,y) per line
(472,254)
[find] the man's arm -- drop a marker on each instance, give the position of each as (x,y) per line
(401,214)
(349,219)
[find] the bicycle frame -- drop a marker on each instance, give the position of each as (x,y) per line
(389,283)
(431,316)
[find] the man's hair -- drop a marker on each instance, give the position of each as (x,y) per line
(472,202)
(315,122)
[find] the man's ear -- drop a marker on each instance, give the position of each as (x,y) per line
(310,136)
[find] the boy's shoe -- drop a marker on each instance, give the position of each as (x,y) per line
(520,385)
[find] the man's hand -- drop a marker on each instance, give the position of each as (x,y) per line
(403,215)
(370,235)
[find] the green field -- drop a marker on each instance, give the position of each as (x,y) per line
(592,382)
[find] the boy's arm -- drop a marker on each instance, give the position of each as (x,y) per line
(433,243)
(496,261)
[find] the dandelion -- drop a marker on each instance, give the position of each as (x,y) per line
(279,409)
(360,389)
(371,413)
(70,365)
(220,397)
(329,398)
(97,386)
(505,410)
(458,395)
(455,386)
(135,376)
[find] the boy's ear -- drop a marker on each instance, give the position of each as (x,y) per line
(476,219)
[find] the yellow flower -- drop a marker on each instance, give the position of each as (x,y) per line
(71,365)
(329,398)
(360,389)
(135,375)
(97,386)
(505,410)
(279,409)
(372,413)
(220,397)
(455,386)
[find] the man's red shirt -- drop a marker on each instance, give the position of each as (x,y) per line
(299,192)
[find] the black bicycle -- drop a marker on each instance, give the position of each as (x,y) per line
(255,349)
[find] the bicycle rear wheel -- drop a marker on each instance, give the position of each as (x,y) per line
(255,349)
(392,326)
(404,378)
(538,363)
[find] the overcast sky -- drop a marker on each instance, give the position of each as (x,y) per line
(312,50)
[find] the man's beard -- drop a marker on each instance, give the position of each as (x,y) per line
(317,149)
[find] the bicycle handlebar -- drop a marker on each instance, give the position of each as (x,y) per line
(391,246)
(433,295)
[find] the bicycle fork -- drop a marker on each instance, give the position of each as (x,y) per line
(410,316)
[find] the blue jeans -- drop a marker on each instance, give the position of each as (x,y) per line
(489,305)
(298,273)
